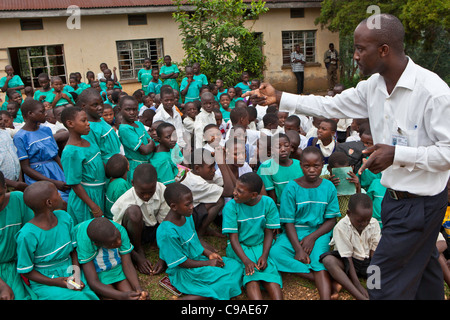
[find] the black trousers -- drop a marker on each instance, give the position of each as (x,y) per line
(300,80)
(407,256)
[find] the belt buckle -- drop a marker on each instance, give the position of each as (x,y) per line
(393,194)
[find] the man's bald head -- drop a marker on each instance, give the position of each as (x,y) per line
(389,30)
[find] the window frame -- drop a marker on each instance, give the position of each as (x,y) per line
(135,59)
(292,37)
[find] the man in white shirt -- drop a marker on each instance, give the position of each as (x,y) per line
(408,109)
(297,63)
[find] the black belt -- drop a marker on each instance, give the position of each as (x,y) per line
(398,195)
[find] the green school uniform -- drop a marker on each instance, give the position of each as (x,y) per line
(225,113)
(12,218)
(165,167)
(243,86)
(249,223)
(179,243)
(307,209)
(84,165)
(40,93)
(276,177)
(168,70)
(193,93)
(116,85)
(105,137)
(376,192)
(15,81)
(115,189)
(144,77)
(132,138)
(48,252)
(154,87)
(107,262)
(51,96)
(202,78)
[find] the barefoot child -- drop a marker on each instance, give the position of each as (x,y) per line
(308,212)
(46,253)
(193,270)
(103,249)
(141,210)
(249,220)
(355,238)
(83,168)
(13,215)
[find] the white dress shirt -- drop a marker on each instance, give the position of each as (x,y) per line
(414,118)
(176,120)
(201,120)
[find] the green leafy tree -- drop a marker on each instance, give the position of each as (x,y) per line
(426,25)
(214,35)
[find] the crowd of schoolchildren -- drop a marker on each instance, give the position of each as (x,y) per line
(91,174)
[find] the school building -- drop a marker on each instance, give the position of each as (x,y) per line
(63,36)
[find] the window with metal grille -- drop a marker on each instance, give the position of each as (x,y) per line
(306,40)
(131,55)
(29,62)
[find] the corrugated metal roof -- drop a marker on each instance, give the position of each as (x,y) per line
(19,5)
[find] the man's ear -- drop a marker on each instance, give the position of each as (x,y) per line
(384,50)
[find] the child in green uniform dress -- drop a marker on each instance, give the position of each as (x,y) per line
(308,212)
(145,74)
(101,132)
(280,169)
(103,249)
(169,73)
(162,159)
(154,86)
(11,81)
(136,141)
(13,215)
(83,167)
(116,170)
(46,252)
(58,97)
(44,82)
(249,220)
(190,87)
(193,270)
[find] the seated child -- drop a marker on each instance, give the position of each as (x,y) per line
(57,97)
(100,131)
(163,157)
(136,141)
(189,87)
(207,195)
(223,126)
(16,113)
(205,117)
(282,116)
(46,253)
(194,270)
(308,212)
(147,118)
(225,106)
(294,138)
(154,86)
(270,121)
(212,137)
(355,238)
(73,82)
(326,138)
(293,122)
(116,170)
(83,168)
(140,211)
(104,248)
(13,215)
(41,93)
(340,160)
(190,111)
(108,114)
(280,169)
(37,149)
(249,221)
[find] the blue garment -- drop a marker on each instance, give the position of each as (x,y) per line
(40,148)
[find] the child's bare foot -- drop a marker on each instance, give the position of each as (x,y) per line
(141,263)
(335,289)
